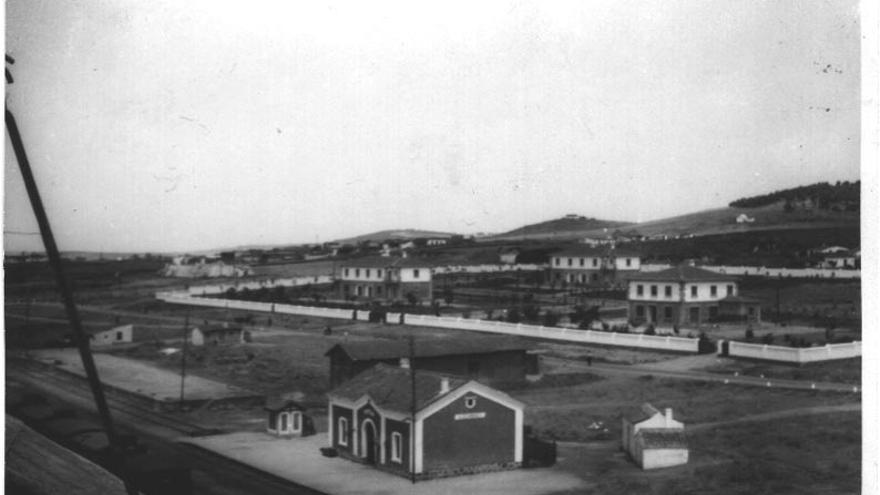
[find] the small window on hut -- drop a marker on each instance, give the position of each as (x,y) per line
(470,402)
(343,431)
(396,447)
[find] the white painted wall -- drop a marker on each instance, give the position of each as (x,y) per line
(409,274)
(117,335)
(796,355)
(661,458)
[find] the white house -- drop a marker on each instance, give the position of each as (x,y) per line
(653,439)
(743,218)
(287,418)
(385,278)
(117,335)
(216,335)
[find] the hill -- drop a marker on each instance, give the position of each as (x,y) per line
(399,234)
(842,196)
(567,227)
(776,216)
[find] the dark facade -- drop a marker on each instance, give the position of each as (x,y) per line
(450,426)
(490,361)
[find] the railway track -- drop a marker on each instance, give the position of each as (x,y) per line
(212,473)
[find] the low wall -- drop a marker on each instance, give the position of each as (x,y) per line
(798,355)
(666,343)
(761,271)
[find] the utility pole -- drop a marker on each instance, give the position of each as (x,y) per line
(54,256)
(412,437)
(183,357)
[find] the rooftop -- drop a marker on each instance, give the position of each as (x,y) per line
(391,349)
(385,262)
(683,273)
(390,387)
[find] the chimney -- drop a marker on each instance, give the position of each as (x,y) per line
(668,417)
(444,385)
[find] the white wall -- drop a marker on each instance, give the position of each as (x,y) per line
(795,354)
(409,274)
(660,458)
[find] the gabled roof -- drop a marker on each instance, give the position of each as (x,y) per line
(641,413)
(377,349)
(385,262)
(661,438)
(582,251)
(390,388)
(683,273)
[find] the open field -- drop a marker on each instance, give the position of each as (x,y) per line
(843,371)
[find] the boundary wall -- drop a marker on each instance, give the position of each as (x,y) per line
(799,355)
(666,343)
(761,271)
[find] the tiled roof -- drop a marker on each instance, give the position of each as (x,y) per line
(661,438)
(581,251)
(385,262)
(641,413)
(391,349)
(390,387)
(683,273)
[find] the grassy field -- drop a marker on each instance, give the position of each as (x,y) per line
(843,371)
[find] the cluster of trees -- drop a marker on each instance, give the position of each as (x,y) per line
(822,194)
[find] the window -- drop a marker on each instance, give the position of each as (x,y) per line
(416,273)
(667,312)
(693,291)
(118,335)
(295,418)
(346,272)
(729,290)
(640,290)
(595,261)
(582,262)
(653,291)
(396,446)
(583,278)
(628,262)
(357,272)
(470,402)
(379,290)
(367,273)
(713,290)
(640,311)
(667,291)
(557,261)
(283,426)
(342,433)
(379,273)
(570,261)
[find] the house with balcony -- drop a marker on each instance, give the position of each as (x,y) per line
(593,266)
(685,296)
(384,279)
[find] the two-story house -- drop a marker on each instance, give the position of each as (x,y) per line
(680,295)
(589,266)
(381,278)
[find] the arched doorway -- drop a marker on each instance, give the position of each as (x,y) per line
(368,442)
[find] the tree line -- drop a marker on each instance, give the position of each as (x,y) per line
(823,195)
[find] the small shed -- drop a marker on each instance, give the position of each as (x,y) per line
(117,335)
(653,439)
(216,335)
(287,418)
(740,308)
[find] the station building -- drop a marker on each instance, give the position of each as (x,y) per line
(424,424)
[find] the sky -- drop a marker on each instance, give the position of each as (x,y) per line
(168,126)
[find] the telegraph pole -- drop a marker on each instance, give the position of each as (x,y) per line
(183,357)
(412,437)
(54,256)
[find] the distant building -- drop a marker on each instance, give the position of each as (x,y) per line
(653,439)
(425,425)
(743,218)
(380,278)
(216,335)
(508,256)
(589,266)
(287,418)
(122,334)
(842,259)
(436,241)
(491,360)
(683,295)
(202,267)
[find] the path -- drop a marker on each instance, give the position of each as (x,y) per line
(640,370)
(802,411)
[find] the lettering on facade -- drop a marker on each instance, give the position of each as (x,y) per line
(473,415)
